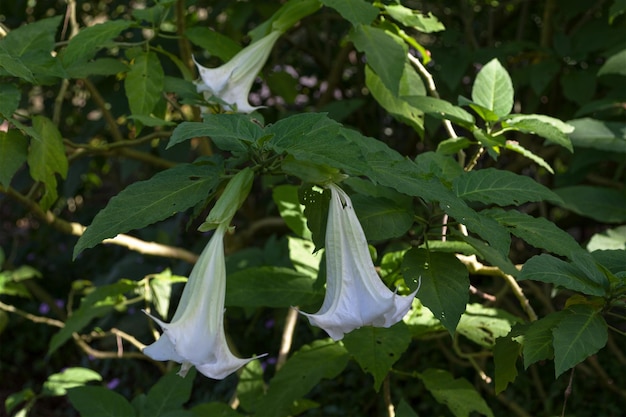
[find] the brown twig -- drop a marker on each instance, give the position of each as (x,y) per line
(31,317)
(285,345)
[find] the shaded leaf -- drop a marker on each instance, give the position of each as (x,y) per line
(90,40)
(144,83)
(354,11)
(385,53)
(376,349)
(592,133)
(229,132)
(552,129)
(100,402)
(444,283)
(505,354)
(146,202)
(458,394)
(483,325)
(13,153)
(581,333)
(168,394)
(599,203)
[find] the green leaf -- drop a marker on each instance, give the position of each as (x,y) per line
(503,188)
(610,239)
(538,344)
(516,147)
(13,153)
(382,218)
(303,256)
(410,85)
(269,286)
(11,96)
(151,120)
(453,145)
(616,64)
(493,88)
(315,203)
(286,199)
(426,23)
(442,109)
(385,53)
(251,386)
(90,40)
(505,354)
(458,394)
(309,365)
(603,204)
(581,333)
(168,394)
(101,66)
(14,66)
(483,325)
(355,11)
(539,232)
(554,130)
(495,255)
(547,268)
(213,42)
(405,410)
(13,400)
(146,202)
(285,17)
(161,290)
(100,402)
(97,303)
(606,136)
(444,283)
(144,83)
(229,132)
(58,384)
(376,349)
(46,157)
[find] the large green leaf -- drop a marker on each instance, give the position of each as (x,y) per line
(11,96)
(410,85)
(458,394)
(483,325)
(444,283)
(354,11)
(146,202)
(552,129)
(144,83)
(213,42)
(251,386)
(547,268)
(376,349)
(493,88)
(539,232)
(603,204)
(229,132)
(538,345)
(13,153)
(168,394)
(270,286)
(385,53)
(581,333)
(382,218)
(503,188)
(100,402)
(321,359)
(46,157)
(592,133)
(90,40)
(97,303)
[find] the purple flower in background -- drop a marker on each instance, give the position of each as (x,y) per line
(355,294)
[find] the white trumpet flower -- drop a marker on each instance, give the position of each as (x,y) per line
(195,336)
(231,82)
(355,294)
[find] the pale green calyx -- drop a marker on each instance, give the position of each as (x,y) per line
(195,336)
(231,199)
(231,82)
(355,294)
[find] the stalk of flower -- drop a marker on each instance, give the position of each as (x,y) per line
(195,336)
(231,82)
(355,295)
